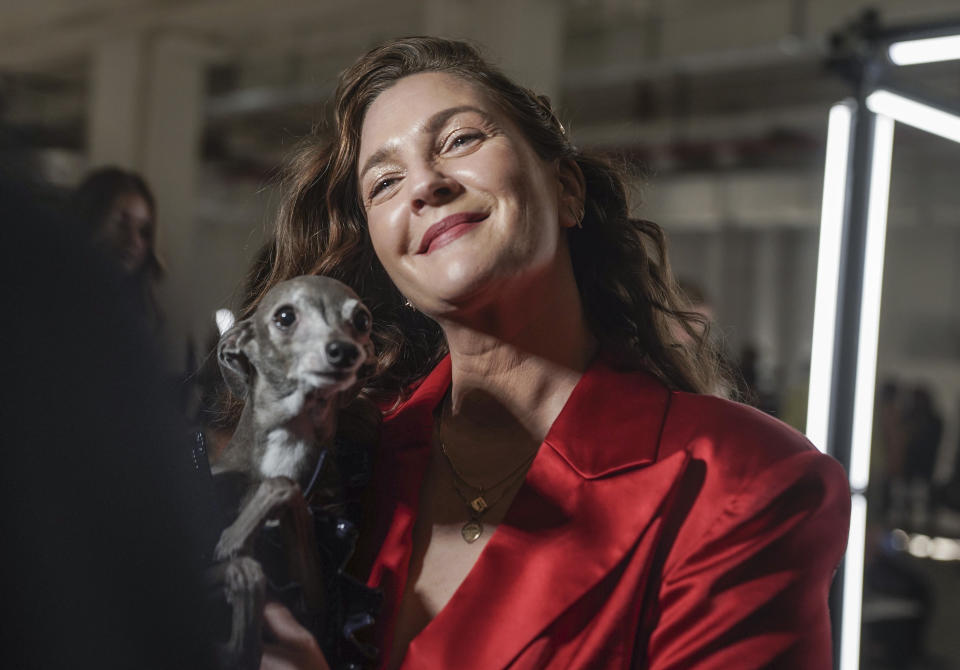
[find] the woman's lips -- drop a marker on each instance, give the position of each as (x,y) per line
(448,229)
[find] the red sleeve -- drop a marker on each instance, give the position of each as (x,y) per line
(749,589)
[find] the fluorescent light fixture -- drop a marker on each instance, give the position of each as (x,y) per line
(930,50)
(853,585)
(866,379)
(916,114)
(828,273)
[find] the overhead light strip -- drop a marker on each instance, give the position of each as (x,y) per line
(914,113)
(930,50)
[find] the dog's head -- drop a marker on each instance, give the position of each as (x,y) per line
(309,335)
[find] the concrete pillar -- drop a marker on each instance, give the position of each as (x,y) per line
(115,107)
(145,114)
(799,280)
(524,37)
(171,136)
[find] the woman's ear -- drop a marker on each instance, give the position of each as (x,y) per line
(573,193)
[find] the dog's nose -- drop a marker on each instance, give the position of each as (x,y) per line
(342,354)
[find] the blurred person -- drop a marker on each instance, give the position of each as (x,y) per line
(887,458)
(556,486)
(898,602)
(947,495)
(117,210)
(105,522)
(923,428)
(923,431)
(891,428)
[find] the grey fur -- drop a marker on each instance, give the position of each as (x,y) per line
(292,388)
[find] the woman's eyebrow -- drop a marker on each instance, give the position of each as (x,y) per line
(433,124)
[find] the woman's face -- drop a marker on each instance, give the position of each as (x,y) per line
(460,208)
(126,232)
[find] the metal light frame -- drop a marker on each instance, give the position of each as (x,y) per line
(850,272)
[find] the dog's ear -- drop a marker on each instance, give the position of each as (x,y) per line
(234,359)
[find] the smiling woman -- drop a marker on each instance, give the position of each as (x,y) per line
(456,206)
(556,487)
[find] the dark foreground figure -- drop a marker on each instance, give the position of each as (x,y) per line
(102,523)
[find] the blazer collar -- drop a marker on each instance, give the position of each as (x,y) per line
(589,498)
(611,421)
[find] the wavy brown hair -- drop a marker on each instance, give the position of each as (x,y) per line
(631,301)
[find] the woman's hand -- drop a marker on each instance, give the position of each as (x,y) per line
(289,646)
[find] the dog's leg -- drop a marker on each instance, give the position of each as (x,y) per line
(242,577)
(279,497)
(271,495)
(274,497)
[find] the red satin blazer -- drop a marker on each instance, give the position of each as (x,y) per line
(655,529)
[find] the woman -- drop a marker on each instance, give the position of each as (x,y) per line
(556,487)
(119,214)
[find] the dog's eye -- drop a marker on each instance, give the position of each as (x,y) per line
(361,320)
(284,317)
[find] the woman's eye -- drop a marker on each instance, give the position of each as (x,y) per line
(382,184)
(284,317)
(464,139)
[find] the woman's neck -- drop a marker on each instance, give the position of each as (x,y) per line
(510,383)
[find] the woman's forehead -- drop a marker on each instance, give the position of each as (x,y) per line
(408,106)
(133,202)
(427,88)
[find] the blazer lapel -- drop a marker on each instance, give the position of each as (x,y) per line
(593,490)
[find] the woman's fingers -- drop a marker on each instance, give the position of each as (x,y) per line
(293,646)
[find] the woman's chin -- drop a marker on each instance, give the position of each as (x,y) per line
(455,283)
(470,303)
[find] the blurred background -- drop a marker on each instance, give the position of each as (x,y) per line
(720,109)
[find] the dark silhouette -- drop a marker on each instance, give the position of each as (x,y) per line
(104,521)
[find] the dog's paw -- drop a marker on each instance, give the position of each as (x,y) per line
(230,544)
(244,582)
(244,587)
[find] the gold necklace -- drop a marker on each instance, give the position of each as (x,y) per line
(477,505)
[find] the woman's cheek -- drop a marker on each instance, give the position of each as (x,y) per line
(381,240)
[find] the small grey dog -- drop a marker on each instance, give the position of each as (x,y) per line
(296,361)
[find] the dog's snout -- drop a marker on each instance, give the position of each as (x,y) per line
(342,354)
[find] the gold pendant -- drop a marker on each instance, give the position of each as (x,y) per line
(471,531)
(479,504)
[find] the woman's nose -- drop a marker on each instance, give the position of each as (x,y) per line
(133,239)
(432,188)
